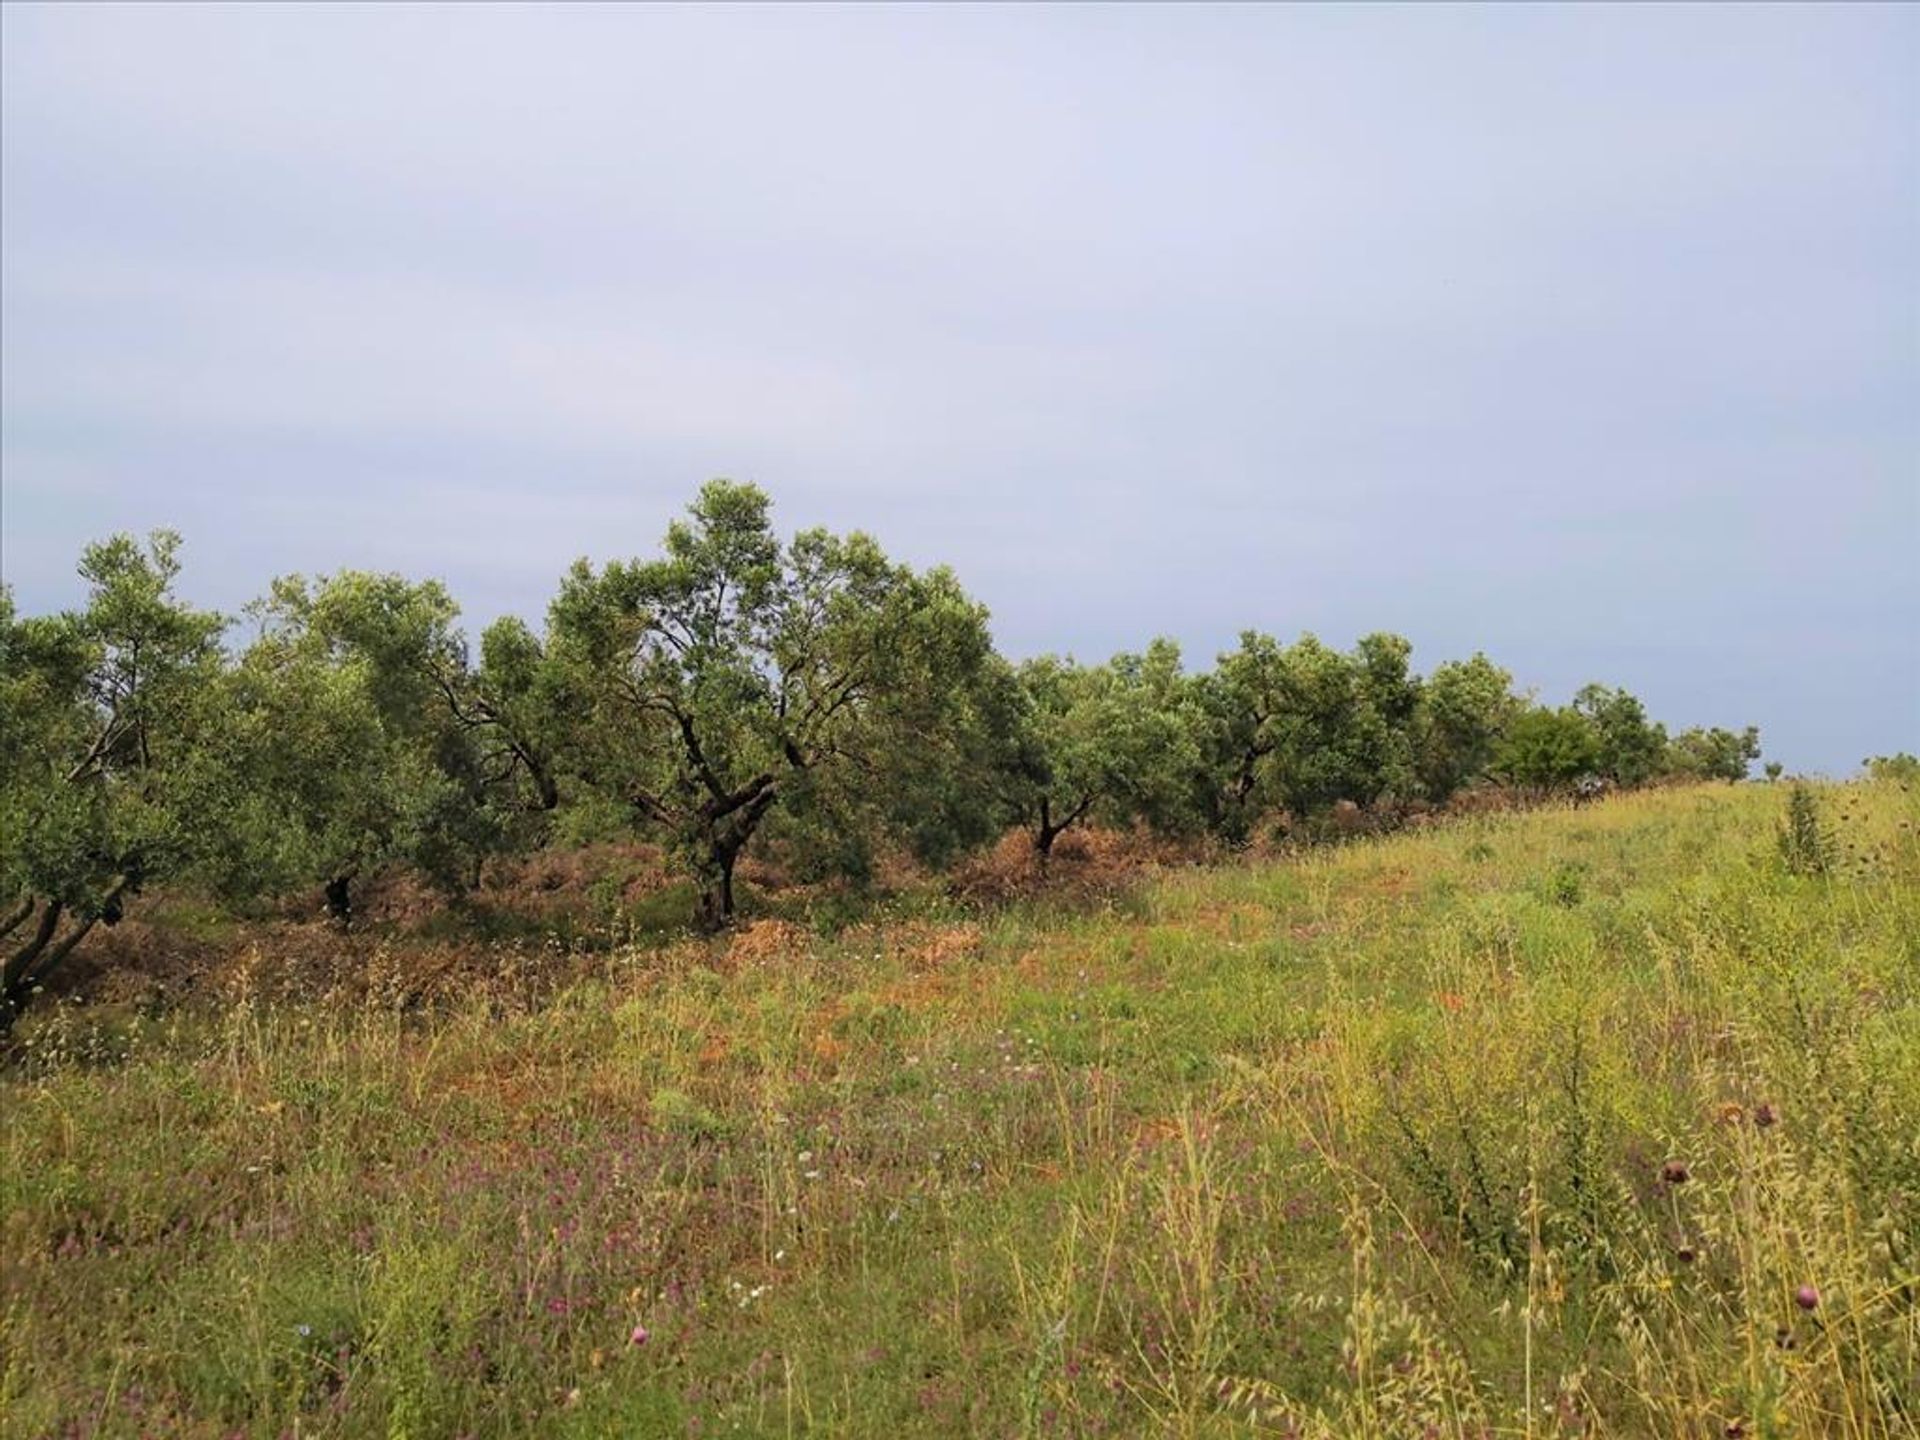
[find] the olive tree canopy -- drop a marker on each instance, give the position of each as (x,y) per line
(101,711)
(735,673)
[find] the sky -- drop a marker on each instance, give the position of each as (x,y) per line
(1585,336)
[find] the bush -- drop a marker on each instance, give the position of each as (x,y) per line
(1900,767)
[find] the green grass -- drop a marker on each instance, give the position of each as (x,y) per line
(1367,1143)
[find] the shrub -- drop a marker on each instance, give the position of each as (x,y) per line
(1900,767)
(1806,846)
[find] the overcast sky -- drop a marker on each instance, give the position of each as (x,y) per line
(1589,337)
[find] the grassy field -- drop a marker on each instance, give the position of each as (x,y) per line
(1583,1122)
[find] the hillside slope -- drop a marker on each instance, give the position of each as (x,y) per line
(1587,1122)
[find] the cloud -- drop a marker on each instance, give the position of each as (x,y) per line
(1585,336)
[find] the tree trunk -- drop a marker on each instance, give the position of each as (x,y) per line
(715,910)
(340,900)
(726,836)
(17,970)
(1044,835)
(544,785)
(1043,839)
(1050,830)
(27,969)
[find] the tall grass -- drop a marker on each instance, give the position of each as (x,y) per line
(1602,1122)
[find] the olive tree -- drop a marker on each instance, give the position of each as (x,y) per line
(1713,754)
(1632,747)
(356,733)
(1378,745)
(1239,704)
(102,711)
(1300,727)
(1548,749)
(489,722)
(735,674)
(1113,743)
(1464,710)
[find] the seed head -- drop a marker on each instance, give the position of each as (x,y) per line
(1764,1114)
(1675,1172)
(1807,1298)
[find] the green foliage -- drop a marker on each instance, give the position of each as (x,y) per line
(1548,749)
(101,711)
(1714,754)
(344,744)
(1302,727)
(1465,709)
(735,674)
(1899,768)
(1240,703)
(1113,743)
(810,700)
(1319,733)
(1567,884)
(1631,747)
(1387,697)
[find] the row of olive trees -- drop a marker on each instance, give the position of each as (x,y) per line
(733,691)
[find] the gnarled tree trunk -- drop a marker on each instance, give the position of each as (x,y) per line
(24,971)
(730,823)
(340,899)
(1050,830)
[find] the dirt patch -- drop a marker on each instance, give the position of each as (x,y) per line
(1087,863)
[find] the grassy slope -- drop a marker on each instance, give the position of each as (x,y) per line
(1365,1144)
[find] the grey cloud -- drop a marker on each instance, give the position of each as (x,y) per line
(1589,336)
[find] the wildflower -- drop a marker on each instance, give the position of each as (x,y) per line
(1764,1115)
(1675,1172)
(1686,1254)
(1807,1298)
(640,1336)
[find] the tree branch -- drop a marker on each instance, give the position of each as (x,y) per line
(650,806)
(108,737)
(38,973)
(722,806)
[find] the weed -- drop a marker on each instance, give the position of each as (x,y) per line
(1805,842)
